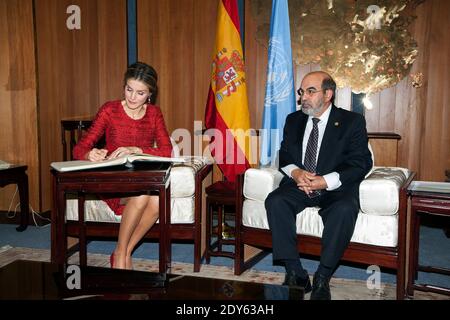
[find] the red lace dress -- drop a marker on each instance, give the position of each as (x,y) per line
(122,131)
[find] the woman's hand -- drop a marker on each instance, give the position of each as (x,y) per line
(121,151)
(97,155)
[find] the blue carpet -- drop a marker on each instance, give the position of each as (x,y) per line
(434,250)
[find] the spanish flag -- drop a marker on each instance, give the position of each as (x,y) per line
(227,117)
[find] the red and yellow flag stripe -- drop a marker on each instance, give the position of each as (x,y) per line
(227,105)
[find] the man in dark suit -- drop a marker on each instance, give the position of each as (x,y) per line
(324,156)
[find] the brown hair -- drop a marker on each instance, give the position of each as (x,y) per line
(143,72)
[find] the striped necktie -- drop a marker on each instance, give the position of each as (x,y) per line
(311,147)
(311,152)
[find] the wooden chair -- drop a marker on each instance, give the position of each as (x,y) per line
(74,129)
(109,229)
(252,228)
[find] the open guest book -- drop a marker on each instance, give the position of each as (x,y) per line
(127,160)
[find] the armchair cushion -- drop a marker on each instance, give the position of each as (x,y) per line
(95,210)
(182,182)
(369,229)
(377,221)
(260,182)
(182,176)
(378,193)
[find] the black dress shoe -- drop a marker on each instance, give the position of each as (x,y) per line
(292,280)
(321,287)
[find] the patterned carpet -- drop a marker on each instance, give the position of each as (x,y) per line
(341,289)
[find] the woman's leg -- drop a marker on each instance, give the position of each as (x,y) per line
(148,219)
(131,215)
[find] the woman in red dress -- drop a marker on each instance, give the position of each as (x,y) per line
(131,125)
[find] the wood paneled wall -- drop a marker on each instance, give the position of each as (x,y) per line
(78,70)
(177,38)
(420,116)
(428,111)
(18,107)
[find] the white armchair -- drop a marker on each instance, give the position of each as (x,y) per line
(380,232)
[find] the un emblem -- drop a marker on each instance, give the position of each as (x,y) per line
(279,79)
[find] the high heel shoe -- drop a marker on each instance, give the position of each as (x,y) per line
(111,260)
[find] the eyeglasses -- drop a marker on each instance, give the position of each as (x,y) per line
(309,91)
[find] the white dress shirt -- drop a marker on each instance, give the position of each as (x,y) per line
(332,179)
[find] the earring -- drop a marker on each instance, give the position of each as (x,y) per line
(149,99)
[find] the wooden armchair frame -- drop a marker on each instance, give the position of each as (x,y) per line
(388,257)
(186,231)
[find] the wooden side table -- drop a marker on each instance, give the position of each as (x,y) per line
(427,198)
(108,180)
(218,195)
(17,174)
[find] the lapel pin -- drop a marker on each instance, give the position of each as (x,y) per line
(336,124)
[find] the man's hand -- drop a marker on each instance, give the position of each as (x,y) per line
(301,176)
(308,181)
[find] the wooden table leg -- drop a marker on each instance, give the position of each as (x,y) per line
(54,223)
(167,235)
(162,230)
(413,251)
(219,226)
(24,206)
(59,235)
(82,230)
(209,213)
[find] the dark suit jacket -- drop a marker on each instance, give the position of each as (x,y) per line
(344,147)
